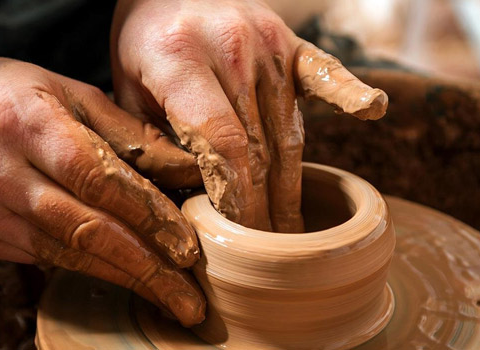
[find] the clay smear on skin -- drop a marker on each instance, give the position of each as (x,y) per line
(219,179)
(258,154)
(321,75)
(284,132)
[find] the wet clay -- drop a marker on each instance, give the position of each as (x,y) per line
(319,289)
(221,182)
(434,275)
(320,75)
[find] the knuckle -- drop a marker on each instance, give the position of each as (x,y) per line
(259,155)
(60,254)
(42,114)
(290,146)
(179,47)
(84,177)
(179,38)
(229,140)
(85,235)
(71,163)
(93,93)
(181,79)
(232,40)
(89,175)
(271,31)
(263,156)
(92,183)
(53,251)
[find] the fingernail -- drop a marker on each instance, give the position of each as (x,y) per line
(186,307)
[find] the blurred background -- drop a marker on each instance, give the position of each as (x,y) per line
(441,37)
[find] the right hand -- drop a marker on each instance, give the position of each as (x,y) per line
(225,75)
(66,198)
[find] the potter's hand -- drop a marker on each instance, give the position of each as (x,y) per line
(67,199)
(223,74)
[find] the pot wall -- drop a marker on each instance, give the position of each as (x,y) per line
(322,289)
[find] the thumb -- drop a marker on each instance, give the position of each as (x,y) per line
(321,75)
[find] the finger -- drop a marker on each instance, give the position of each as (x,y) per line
(21,241)
(320,75)
(51,251)
(139,143)
(283,125)
(11,253)
(94,234)
(89,168)
(13,239)
(206,124)
(242,95)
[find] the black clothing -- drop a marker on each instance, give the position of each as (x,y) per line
(70,37)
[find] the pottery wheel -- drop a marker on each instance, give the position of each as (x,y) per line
(435,277)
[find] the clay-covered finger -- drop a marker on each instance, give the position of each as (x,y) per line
(28,244)
(140,143)
(321,75)
(51,251)
(246,108)
(85,239)
(283,124)
(204,120)
(79,160)
(243,98)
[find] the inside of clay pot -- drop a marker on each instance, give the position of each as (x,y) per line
(325,204)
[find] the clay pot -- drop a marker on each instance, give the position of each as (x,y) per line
(325,289)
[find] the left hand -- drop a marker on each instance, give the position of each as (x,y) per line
(223,74)
(68,200)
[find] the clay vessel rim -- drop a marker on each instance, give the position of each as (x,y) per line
(365,225)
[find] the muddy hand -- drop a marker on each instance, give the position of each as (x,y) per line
(222,74)
(67,199)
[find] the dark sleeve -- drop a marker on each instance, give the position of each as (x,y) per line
(70,37)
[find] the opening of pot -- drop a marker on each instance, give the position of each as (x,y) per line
(325,204)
